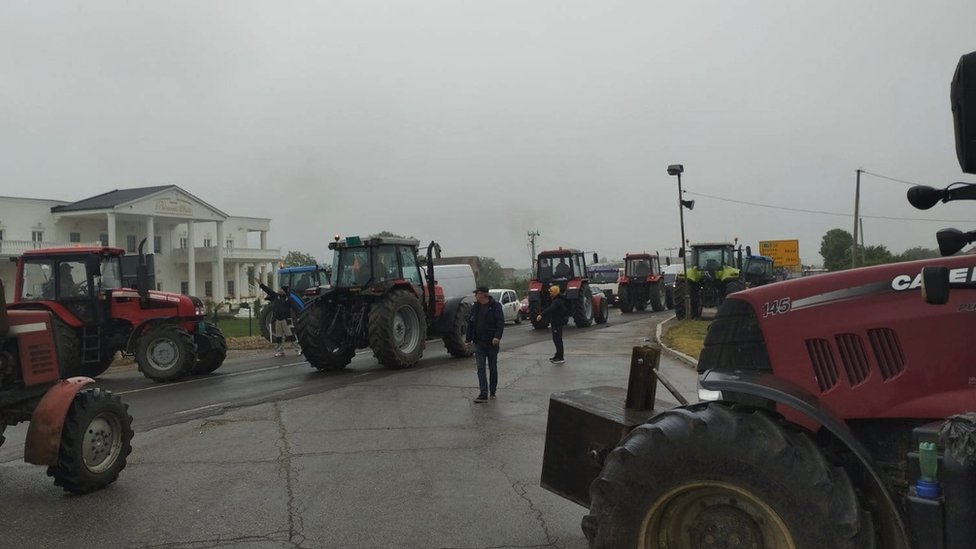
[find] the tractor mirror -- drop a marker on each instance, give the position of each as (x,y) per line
(952,240)
(667,260)
(963,99)
(596,259)
(681,252)
(935,285)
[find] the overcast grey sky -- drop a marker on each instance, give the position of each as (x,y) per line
(474,122)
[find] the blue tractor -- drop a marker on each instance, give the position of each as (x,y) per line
(304,284)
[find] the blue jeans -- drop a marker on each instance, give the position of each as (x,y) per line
(487,351)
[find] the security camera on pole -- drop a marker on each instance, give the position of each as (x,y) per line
(678,169)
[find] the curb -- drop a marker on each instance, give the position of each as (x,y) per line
(677,354)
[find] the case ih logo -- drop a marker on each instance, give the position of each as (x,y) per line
(908,282)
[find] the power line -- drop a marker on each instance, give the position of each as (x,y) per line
(823,212)
(895,179)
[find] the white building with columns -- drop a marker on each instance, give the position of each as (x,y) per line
(198,249)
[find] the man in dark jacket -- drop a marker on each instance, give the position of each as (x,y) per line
(282,308)
(558,314)
(485,326)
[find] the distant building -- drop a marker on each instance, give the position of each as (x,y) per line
(199,250)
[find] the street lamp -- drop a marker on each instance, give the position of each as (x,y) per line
(678,169)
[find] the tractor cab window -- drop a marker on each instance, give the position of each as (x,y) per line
(545,269)
(300,282)
(111,278)
(38,280)
(352,264)
(710,259)
(579,266)
(72,279)
(386,265)
(639,268)
(409,260)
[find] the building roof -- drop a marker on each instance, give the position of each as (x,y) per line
(111,199)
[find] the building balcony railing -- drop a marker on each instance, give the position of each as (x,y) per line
(14,248)
(207,255)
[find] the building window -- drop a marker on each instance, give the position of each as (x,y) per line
(1,234)
(230,287)
(130,243)
(157,244)
(208,289)
(184,287)
(159,286)
(230,243)
(207,243)
(74,237)
(37,236)
(103,238)
(183,243)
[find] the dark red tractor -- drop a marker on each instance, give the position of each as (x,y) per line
(836,413)
(641,283)
(83,288)
(381,298)
(566,268)
(82,434)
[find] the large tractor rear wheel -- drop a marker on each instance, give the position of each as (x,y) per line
(398,330)
(264,321)
(166,353)
(669,297)
(213,358)
(322,335)
(624,301)
(96,439)
(711,476)
(534,311)
(657,304)
(583,308)
(454,340)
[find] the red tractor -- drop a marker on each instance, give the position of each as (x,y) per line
(83,289)
(566,268)
(641,283)
(82,434)
(836,413)
(382,299)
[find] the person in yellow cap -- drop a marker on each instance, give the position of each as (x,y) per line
(558,314)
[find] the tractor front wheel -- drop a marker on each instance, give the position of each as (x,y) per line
(537,324)
(321,332)
(602,311)
(711,476)
(669,297)
(213,357)
(398,330)
(166,353)
(680,290)
(454,340)
(96,439)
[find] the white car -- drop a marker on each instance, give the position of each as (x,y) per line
(510,304)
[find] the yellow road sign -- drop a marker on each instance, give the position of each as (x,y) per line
(785,253)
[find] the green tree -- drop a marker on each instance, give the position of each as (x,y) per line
(875,255)
(491,273)
(389,234)
(297,259)
(835,247)
(917,252)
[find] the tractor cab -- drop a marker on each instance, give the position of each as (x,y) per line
(642,266)
(714,258)
(376,263)
(560,265)
(757,270)
(305,280)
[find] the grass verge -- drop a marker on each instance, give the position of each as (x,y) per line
(687,336)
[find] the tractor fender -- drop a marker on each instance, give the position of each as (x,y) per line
(766,386)
(55,308)
(44,431)
(142,328)
(445,322)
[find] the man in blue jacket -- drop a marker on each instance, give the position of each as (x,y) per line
(485,326)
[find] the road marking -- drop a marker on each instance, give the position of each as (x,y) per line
(190,411)
(222,376)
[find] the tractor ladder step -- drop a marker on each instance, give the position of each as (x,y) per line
(91,345)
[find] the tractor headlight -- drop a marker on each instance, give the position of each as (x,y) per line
(199,311)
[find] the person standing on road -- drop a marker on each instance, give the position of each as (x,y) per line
(558,315)
(486,323)
(282,308)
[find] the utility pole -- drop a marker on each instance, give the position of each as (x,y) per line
(862,243)
(857,204)
(532,235)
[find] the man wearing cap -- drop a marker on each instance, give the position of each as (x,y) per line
(282,308)
(485,326)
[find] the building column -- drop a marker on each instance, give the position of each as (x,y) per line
(264,240)
(191,259)
(219,278)
(215,295)
(151,236)
(111,229)
(237,282)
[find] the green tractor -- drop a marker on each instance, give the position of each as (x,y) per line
(713,273)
